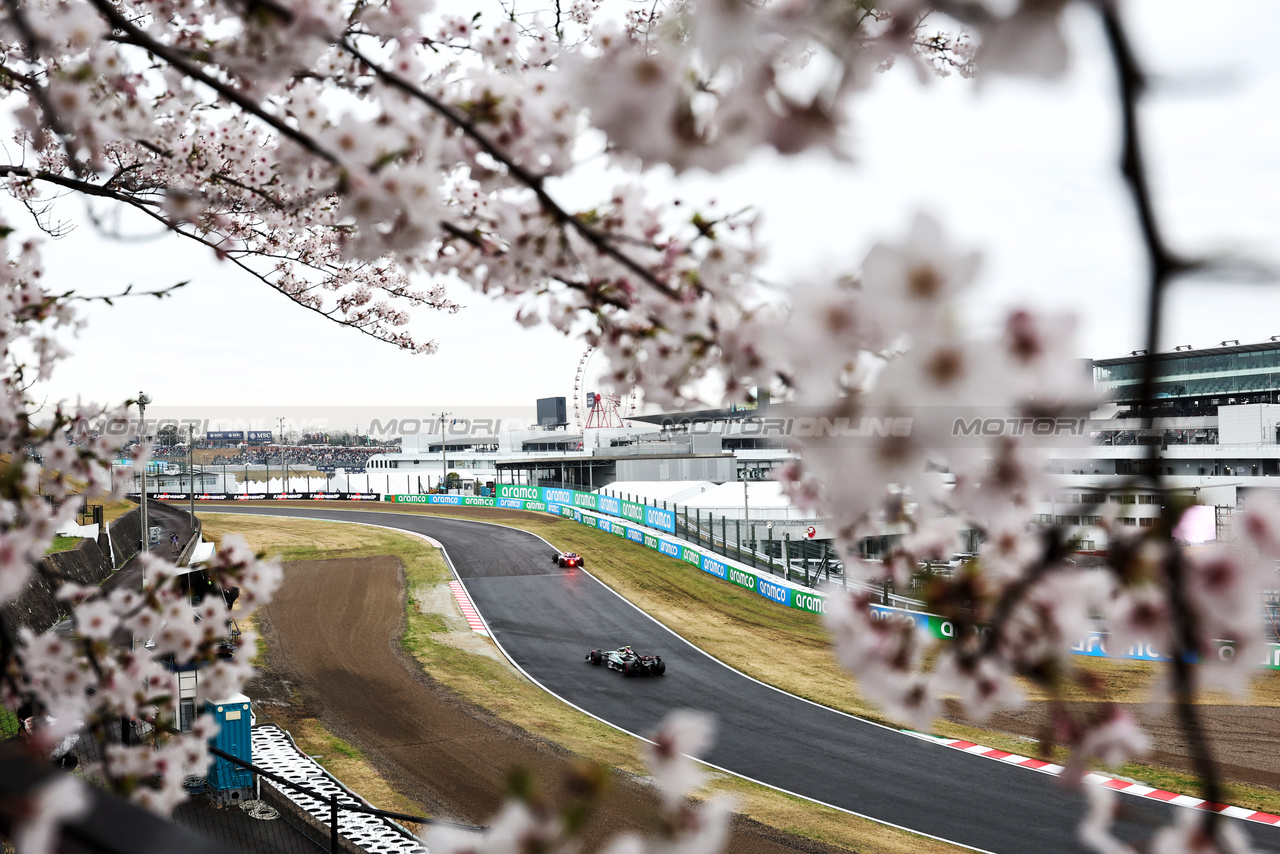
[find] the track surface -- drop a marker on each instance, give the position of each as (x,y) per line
(546,618)
(332,628)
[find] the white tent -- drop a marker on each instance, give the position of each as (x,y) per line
(736,500)
(649,491)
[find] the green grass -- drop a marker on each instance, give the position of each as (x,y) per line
(62,544)
(496,686)
(9,723)
(739,626)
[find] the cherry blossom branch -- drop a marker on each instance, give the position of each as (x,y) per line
(534,182)
(138,38)
(31,45)
(1164,266)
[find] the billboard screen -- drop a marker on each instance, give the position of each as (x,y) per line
(259,435)
(552,412)
(225,435)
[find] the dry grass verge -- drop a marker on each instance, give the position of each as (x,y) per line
(437,637)
(735,625)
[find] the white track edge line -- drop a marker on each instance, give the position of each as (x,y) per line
(935,739)
(610,724)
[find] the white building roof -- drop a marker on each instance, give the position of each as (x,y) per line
(679,491)
(762,494)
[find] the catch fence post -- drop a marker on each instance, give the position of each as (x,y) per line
(724,535)
(333,823)
(786,554)
(737,533)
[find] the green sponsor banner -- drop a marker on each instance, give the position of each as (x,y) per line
(742,578)
(806,600)
(940,628)
(1226,651)
(524,493)
(534,498)
(633,511)
(444,500)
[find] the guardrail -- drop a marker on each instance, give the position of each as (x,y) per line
(591,509)
(646,524)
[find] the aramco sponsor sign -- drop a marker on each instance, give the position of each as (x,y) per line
(570,504)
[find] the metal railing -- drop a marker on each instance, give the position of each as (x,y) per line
(271,823)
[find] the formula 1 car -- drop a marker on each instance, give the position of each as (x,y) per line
(628,661)
(568,559)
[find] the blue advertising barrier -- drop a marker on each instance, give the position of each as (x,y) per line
(568,503)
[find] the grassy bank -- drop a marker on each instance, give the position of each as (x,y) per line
(442,643)
(740,627)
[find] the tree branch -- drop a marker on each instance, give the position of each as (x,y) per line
(1164,267)
(601,242)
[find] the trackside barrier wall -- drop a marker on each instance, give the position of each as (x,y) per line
(569,504)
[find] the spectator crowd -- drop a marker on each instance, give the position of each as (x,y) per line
(313,456)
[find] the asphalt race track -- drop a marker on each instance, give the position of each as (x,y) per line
(546,618)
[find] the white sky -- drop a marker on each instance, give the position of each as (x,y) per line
(1023,171)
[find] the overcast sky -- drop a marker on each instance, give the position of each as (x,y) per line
(1025,172)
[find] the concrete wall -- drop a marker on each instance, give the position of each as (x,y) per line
(1248,424)
(38,607)
(126,537)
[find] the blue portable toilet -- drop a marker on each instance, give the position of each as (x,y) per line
(229,782)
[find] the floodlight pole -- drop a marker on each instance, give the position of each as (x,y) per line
(143,400)
(284,460)
(191,474)
(444,456)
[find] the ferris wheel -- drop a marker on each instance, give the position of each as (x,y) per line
(598,400)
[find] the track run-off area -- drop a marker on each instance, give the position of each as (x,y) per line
(545,619)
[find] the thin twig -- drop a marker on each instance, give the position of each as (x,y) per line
(175,58)
(1164,267)
(534,182)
